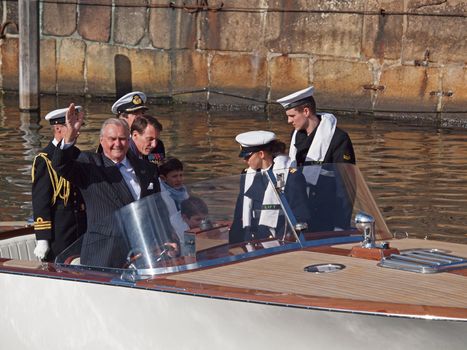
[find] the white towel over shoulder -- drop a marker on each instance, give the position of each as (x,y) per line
(318,148)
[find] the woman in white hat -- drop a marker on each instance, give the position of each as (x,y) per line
(258,212)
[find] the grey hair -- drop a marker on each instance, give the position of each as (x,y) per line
(117,122)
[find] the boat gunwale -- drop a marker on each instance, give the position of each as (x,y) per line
(161,283)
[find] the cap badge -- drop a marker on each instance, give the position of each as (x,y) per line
(346,157)
(137,100)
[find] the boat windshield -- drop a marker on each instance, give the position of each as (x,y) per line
(237,217)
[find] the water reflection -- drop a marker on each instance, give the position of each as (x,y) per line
(418,174)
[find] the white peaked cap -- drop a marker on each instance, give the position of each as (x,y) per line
(253,141)
(130,102)
(297,98)
(57,116)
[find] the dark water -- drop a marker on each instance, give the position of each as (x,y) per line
(418,174)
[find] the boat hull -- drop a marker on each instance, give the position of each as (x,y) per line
(49,313)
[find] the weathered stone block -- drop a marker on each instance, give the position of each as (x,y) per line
(9,66)
(455,82)
(12,15)
(444,38)
(340,84)
(232,31)
(323,34)
(382,35)
(243,4)
(172,28)
(130,21)
(48,68)
(288,74)
(408,88)
(95,19)
(100,71)
(59,19)
(317,5)
(190,70)
(71,53)
(452,7)
(147,70)
(315,30)
(150,71)
(239,75)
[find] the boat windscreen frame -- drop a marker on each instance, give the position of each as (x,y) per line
(216,191)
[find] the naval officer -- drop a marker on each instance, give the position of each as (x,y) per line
(316,143)
(258,212)
(58,208)
(133,105)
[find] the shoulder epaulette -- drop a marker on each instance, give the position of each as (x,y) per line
(61,187)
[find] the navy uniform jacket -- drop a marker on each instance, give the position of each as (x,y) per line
(295,194)
(329,205)
(340,150)
(104,191)
(58,208)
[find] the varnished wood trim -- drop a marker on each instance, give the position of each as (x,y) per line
(300,300)
(372,253)
(330,250)
(17,232)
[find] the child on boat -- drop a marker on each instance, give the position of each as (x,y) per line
(193,212)
(173,190)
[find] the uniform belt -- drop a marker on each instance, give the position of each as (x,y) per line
(256,213)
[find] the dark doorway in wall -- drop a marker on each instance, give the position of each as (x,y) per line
(123,83)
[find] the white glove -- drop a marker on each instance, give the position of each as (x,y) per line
(42,248)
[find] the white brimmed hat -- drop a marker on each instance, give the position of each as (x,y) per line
(131,102)
(254,141)
(297,98)
(58,116)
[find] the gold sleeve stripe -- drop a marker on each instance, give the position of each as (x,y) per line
(41,224)
(43,227)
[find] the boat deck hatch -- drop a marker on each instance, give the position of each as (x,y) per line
(424,261)
(324,268)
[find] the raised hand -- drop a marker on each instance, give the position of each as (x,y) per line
(73,121)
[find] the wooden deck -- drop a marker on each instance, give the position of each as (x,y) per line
(361,282)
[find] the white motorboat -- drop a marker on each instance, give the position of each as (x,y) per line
(351,287)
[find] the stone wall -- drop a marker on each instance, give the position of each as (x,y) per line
(364,55)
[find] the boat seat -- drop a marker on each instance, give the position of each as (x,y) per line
(20,248)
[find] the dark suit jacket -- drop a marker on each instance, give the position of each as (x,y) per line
(104,191)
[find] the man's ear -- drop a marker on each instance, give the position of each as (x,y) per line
(135,133)
(162,177)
